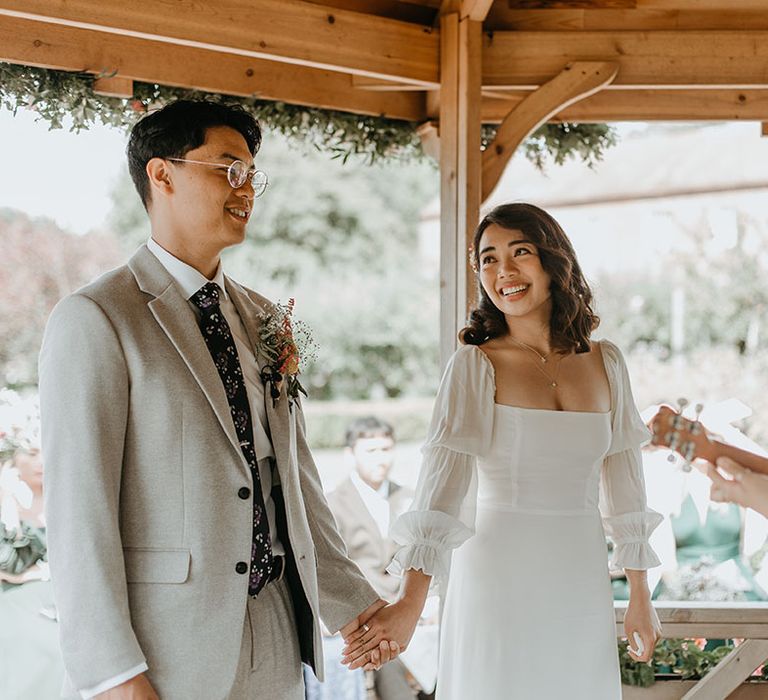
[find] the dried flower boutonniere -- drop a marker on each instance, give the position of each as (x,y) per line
(286,345)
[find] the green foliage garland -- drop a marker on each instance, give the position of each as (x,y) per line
(56,95)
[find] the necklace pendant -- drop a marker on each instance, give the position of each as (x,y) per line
(544,360)
(554,385)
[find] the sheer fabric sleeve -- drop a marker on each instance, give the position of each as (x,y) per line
(443,512)
(627,519)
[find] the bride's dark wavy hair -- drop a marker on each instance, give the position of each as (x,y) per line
(573,319)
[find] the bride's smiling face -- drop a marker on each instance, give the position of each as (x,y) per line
(511,272)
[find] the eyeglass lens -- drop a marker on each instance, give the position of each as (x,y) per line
(238,173)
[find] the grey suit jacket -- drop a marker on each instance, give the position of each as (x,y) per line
(362,536)
(143,468)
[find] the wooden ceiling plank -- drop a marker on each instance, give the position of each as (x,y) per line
(289,31)
(666,59)
(502,19)
(646,105)
(66,48)
(571,4)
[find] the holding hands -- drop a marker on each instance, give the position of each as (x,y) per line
(387,631)
(383,637)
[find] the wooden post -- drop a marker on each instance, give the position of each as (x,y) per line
(460,101)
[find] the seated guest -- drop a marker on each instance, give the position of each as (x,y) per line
(31,667)
(364,504)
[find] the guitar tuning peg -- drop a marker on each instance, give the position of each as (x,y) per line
(671,458)
(699,408)
(688,451)
(682,403)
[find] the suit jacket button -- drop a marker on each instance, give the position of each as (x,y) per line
(241,567)
(244,493)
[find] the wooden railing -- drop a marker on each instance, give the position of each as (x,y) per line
(747,621)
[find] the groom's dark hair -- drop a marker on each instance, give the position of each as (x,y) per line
(178,128)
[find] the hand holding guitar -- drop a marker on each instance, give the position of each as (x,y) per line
(737,476)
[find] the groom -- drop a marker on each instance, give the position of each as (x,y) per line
(191,549)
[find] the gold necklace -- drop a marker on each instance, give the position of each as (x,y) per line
(543,358)
(551,379)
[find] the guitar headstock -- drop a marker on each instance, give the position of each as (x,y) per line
(671,429)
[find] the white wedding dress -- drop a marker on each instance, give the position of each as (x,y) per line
(528,612)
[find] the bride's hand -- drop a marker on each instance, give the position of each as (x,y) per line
(641,617)
(394,623)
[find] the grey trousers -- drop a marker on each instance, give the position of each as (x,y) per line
(270,662)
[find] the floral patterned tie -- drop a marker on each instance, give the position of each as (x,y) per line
(221,345)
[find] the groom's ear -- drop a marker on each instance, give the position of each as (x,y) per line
(159,176)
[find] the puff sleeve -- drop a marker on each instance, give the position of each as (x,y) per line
(627,519)
(442,515)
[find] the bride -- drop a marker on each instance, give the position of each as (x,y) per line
(533,454)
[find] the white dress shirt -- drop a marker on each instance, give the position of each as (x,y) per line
(189,281)
(375,500)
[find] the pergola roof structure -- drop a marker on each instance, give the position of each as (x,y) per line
(450,65)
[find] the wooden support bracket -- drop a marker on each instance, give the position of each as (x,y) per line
(430,139)
(576,81)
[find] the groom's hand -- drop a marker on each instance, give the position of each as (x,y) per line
(362,618)
(137,688)
(389,630)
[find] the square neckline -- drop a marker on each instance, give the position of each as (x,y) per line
(551,410)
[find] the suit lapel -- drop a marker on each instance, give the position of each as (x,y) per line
(360,510)
(360,514)
(175,316)
(279,418)
(248,311)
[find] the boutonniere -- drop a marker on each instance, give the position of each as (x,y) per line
(286,345)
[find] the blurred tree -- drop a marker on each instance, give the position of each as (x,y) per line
(721,272)
(40,264)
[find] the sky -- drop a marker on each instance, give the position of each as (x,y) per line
(65,176)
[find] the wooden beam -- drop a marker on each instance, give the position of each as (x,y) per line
(501,18)
(704,619)
(664,59)
(572,4)
(675,689)
(460,50)
(364,82)
(113,86)
(280,30)
(476,10)
(729,673)
(576,81)
(67,48)
(643,105)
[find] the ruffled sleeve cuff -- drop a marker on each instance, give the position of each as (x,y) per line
(428,539)
(630,533)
